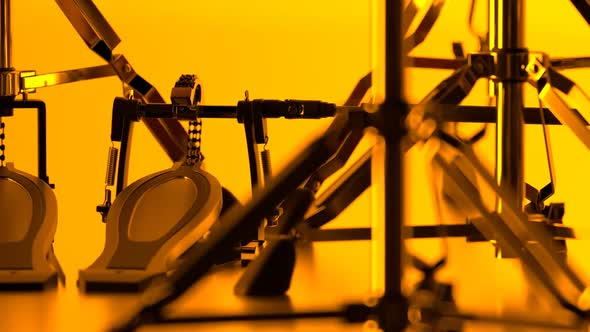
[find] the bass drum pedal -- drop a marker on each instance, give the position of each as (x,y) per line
(153,221)
(28,219)
(150,224)
(28,216)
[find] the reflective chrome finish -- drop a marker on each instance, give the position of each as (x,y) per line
(576,121)
(9,83)
(508,36)
(91,26)
(5,35)
(8,77)
(30,82)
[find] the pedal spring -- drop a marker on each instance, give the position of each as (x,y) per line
(112,166)
(266,166)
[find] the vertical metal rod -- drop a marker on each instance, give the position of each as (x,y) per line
(5,36)
(41,139)
(392,111)
(508,37)
(253,154)
(124,154)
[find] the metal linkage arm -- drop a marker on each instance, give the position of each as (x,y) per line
(583,7)
(408,16)
(29,80)
(424,27)
(548,83)
(94,29)
(451,91)
(102,39)
(338,160)
(356,96)
(342,193)
(570,63)
(169,132)
(457,86)
(533,245)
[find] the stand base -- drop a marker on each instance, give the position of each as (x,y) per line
(270,274)
(250,251)
(27,280)
(117,281)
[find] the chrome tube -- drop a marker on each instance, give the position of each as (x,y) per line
(508,38)
(5,36)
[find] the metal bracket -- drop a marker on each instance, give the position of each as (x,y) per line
(511,65)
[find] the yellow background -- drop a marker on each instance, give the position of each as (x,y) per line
(298,49)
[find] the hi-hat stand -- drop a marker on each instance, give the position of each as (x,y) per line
(511,65)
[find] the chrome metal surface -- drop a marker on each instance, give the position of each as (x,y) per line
(123,68)
(512,230)
(9,83)
(8,77)
(576,120)
(424,27)
(28,81)
(91,26)
(5,35)
(508,36)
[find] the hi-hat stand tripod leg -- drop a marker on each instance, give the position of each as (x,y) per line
(583,7)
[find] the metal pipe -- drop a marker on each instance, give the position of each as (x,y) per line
(5,36)
(393,109)
(507,39)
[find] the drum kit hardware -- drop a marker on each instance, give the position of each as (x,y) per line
(165,231)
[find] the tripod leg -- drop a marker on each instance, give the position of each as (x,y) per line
(452,90)
(424,26)
(583,8)
(513,232)
(547,81)
(342,193)
(99,36)
(359,91)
